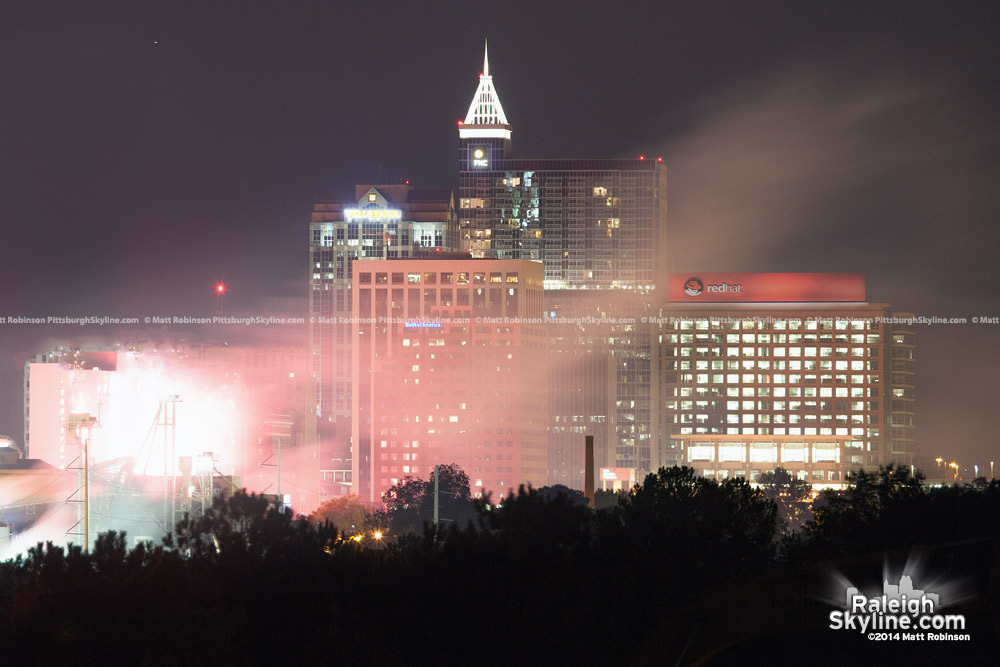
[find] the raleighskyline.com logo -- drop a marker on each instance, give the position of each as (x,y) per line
(901,613)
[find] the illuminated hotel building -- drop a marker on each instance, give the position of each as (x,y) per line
(375,221)
(799,371)
(598,225)
(450,358)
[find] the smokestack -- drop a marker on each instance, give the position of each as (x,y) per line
(588,470)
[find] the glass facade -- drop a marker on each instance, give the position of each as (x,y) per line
(595,224)
(598,228)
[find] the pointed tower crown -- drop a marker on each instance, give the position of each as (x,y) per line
(485,108)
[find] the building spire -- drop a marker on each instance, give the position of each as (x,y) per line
(486,108)
(486,57)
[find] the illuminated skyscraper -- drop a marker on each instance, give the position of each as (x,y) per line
(375,221)
(598,227)
(793,370)
(596,224)
(450,358)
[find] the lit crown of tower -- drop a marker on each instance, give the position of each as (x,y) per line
(486,117)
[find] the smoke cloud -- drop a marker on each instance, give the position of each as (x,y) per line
(858,167)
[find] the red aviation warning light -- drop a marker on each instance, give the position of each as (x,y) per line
(220,291)
(642,157)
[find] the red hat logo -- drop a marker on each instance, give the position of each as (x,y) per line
(693,286)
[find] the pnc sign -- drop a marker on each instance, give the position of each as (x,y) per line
(479,157)
(766,287)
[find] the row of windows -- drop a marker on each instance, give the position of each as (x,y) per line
(767,378)
(817,475)
(432,278)
(765,392)
(731,338)
(751,418)
(779,430)
(820,452)
(817,323)
(778,405)
(771,351)
(760,364)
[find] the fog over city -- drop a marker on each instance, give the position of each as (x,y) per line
(151,155)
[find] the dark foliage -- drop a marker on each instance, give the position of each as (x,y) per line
(538,575)
(791,495)
(892,508)
(409,505)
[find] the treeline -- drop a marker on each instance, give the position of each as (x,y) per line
(537,577)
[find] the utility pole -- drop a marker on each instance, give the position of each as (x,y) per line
(81,425)
(436,487)
(86,495)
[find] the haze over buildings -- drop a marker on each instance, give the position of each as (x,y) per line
(380,221)
(185,169)
(450,359)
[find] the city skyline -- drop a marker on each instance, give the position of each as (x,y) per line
(153,153)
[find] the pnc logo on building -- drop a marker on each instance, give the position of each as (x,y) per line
(480,157)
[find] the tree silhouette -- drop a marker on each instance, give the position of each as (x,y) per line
(695,525)
(791,495)
(346,512)
(410,504)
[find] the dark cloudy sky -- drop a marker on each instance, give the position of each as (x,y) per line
(150,148)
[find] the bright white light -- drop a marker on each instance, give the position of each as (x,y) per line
(372,214)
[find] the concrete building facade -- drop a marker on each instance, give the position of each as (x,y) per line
(796,370)
(450,358)
(375,221)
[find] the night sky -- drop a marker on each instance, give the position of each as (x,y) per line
(149,149)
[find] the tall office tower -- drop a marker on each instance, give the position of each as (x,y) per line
(450,358)
(598,226)
(793,370)
(375,221)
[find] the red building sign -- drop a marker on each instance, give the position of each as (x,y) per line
(766,287)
